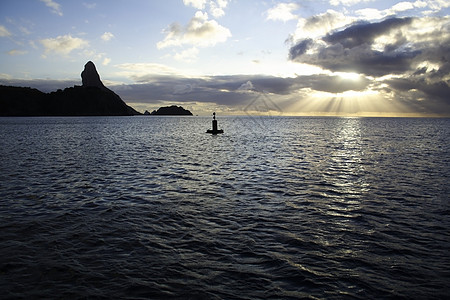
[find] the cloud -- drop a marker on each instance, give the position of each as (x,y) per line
(199,32)
(90,5)
(247,86)
(182,89)
(351,49)
(229,92)
(55,7)
(188,55)
(232,89)
(321,24)
(347,2)
(398,8)
(372,13)
(360,34)
(137,71)
(300,48)
(282,12)
(234,93)
(431,97)
(107,36)
(198,4)
(407,58)
(216,7)
(337,84)
(4,32)
(17,52)
(402,6)
(106,61)
(44,85)
(63,44)
(436,5)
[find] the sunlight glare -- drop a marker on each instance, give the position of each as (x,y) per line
(348,75)
(368,103)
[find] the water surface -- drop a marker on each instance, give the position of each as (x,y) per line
(282,208)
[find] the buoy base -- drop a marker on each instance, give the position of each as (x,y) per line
(212,131)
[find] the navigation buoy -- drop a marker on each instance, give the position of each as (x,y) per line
(214,129)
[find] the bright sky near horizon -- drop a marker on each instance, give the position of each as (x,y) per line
(321,57)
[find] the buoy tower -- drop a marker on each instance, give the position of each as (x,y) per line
(214,129)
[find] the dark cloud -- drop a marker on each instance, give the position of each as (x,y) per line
(366,33)
(337,84)
(236,90)
(364,60)
(415,50)
(351,49)
(300,48)
(224,90)
(436,94)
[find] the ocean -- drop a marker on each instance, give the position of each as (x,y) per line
(274,208)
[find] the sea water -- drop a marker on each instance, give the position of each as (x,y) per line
(276,207)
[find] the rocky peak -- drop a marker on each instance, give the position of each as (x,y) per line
(90,77)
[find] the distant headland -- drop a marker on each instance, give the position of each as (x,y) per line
(90,99)
(170,111)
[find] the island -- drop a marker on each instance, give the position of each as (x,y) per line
(171,111)
(92,98)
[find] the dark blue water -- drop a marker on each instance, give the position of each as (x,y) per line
(275,208)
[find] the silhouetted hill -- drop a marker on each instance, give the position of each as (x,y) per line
(20,101)
(91,99)
(171,111)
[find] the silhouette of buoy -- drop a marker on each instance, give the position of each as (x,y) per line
(214,129)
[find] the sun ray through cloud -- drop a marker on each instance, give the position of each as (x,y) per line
(338,49)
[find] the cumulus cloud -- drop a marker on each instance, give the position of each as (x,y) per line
(282,12)
(107,36)
(300,48)
(409,56)
(351,49)
(398,8)
(198,4)
(199,32)
(63,44)
(247,86)
(360,34)
(402,6)
(54,6)
(216,7)
(321,24)
(436,5)
(347,2)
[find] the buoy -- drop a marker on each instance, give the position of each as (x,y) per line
(214,129)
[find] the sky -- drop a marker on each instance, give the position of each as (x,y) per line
(306,58)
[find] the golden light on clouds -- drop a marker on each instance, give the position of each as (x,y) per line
(367,103)
(348,75)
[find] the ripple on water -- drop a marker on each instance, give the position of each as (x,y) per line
(154,208)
